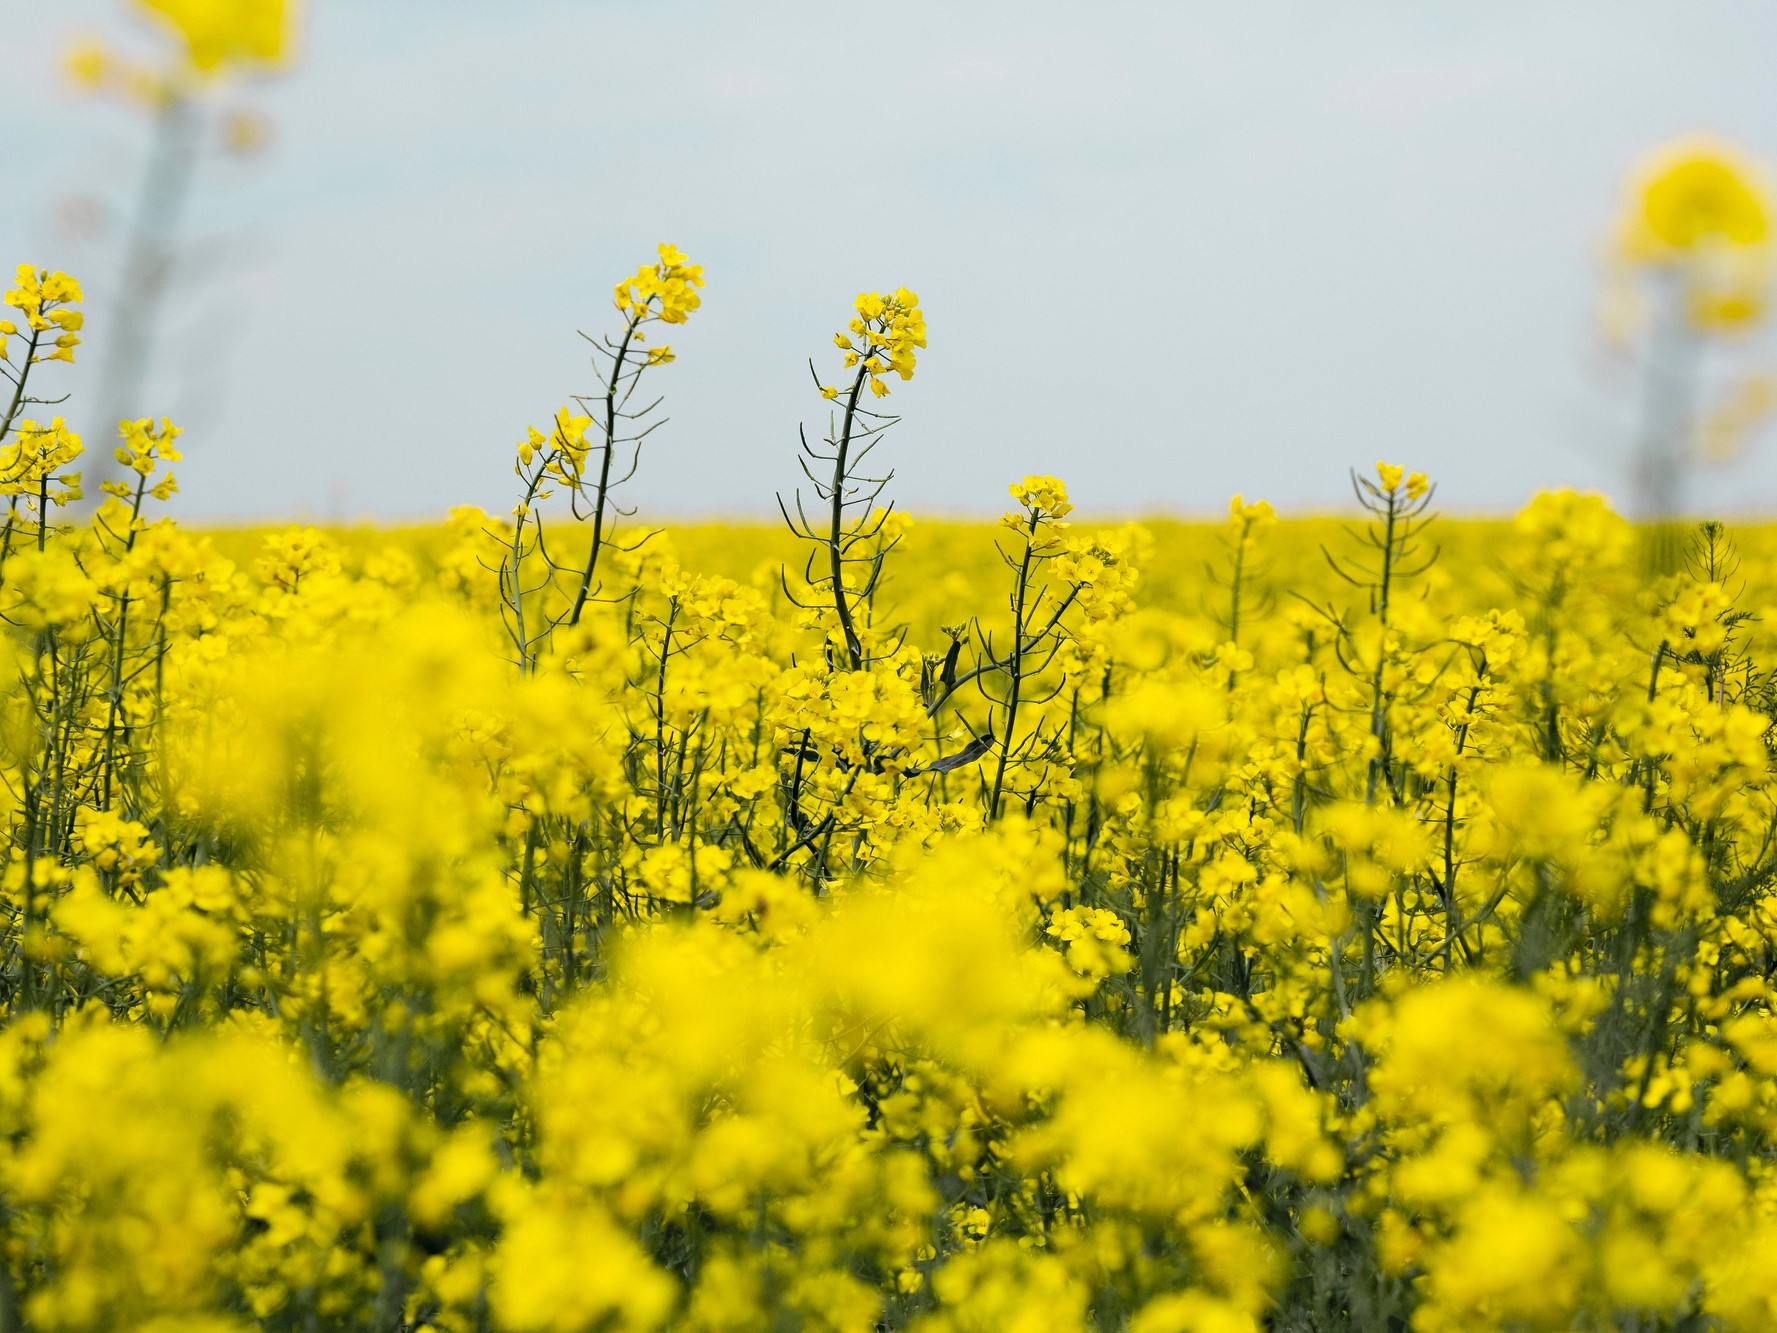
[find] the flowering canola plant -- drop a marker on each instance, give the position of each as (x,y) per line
(518,927)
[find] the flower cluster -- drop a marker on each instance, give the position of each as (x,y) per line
(562,452)
(884,336)
(666,291)
(1042,495)
(37,456)
(45,299)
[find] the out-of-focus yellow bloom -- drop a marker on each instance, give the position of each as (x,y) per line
(1725,430)
(220,34)
(1694,194)
(1703,208)
(87,62)
(1257,514)
(245,133)
(48,588)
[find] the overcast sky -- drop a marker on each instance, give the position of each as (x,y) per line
(1168,251)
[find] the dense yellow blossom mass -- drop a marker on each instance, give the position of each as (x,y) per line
(1177,928)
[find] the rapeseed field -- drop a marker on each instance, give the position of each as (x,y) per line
(538,923)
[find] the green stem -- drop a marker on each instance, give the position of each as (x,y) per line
(835,547)
(598,511)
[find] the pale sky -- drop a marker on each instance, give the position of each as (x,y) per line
(1167,251)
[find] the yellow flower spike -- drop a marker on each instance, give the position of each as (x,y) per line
(1045,495)
(42,297)
(664,291)
(1389,475)
(890,329)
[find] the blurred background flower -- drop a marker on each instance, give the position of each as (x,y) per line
(1692,276)
(186,85)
